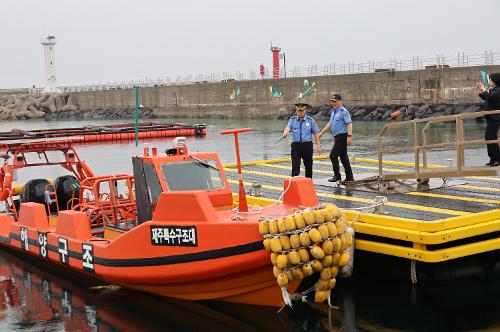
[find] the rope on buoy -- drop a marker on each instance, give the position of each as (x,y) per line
(286,297)
(413,272)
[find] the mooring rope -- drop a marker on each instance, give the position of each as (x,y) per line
(366,209)
(413,272)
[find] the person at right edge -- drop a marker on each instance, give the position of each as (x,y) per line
(340,126)
(491,96)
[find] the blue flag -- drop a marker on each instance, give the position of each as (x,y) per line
(275,92)
(485,78)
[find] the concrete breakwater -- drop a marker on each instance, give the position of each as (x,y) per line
(372,96)
(101,113)
(16,107)
(60,106)
(383,112)
(273,98)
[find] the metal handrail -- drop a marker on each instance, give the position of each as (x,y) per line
(459,143)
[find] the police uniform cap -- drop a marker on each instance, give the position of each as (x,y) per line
(336,97)
(302,106)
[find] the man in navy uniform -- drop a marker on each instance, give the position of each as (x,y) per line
(340,126)
(303,128)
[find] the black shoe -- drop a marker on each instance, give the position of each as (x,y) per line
(490,162)
(495,164)
(348,181)
(334,179)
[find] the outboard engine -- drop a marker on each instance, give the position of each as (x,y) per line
(34,191)
(67,189)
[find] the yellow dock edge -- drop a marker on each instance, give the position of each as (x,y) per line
(458,228)
(427,232)
(428,237)
(411,224)
(427,226)
(434,256)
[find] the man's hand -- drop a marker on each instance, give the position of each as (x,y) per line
(349,140)
(318,150)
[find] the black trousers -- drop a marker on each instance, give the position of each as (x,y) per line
(491,133)
(339,150)
(304,151)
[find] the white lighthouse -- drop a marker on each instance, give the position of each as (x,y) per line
(49,44)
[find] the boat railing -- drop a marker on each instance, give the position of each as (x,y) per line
(11,205)
(421,146)
(108,208)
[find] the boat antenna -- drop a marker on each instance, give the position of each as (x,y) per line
(242,204)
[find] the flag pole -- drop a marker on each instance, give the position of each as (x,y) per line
(136,116)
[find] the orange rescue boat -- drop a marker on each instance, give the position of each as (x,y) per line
(171,229)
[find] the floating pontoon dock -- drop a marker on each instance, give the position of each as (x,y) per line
(418,225)
(112,132)
(433,213)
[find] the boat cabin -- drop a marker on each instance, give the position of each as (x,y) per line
(178,170)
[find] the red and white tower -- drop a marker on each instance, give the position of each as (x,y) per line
(276,61)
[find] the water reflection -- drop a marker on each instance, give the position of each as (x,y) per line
(32,299)
(258,144)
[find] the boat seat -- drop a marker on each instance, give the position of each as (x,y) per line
(34,215)
(73,224)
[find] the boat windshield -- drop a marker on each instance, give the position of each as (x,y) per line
(195,174)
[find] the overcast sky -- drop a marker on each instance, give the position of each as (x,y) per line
(101,41)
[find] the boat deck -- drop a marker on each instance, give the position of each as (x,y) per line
(456,220)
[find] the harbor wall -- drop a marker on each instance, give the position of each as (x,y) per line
(253,99)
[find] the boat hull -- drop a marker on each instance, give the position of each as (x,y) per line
(256,286)
(233,270)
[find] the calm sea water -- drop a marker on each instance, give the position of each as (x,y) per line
(34,299)
(105,158)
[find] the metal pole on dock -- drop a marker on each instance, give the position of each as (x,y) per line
(137,116)
(242,201)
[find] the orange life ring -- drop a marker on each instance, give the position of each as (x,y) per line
(5,182)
